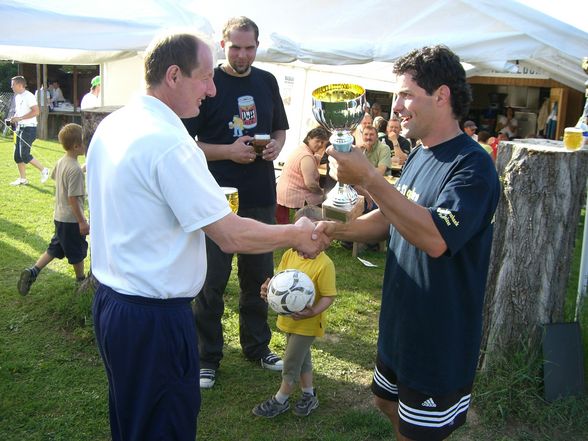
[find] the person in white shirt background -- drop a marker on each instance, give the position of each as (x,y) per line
(92,98)
(55,93)
(508,124)
(25,118)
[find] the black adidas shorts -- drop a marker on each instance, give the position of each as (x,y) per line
(422,416)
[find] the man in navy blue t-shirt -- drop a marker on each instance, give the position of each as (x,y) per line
(247,103)
(439,217)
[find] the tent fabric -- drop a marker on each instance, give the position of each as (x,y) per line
(489,34)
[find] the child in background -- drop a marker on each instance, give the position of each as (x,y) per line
(301,329)
(71,225)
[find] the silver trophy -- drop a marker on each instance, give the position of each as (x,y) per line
(339,108)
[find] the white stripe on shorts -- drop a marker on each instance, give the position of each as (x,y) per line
(425,418)
(382,382)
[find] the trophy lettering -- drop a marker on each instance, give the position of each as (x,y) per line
(339,108)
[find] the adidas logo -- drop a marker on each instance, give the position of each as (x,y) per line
(428,403)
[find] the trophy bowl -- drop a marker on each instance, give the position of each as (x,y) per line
(339,108)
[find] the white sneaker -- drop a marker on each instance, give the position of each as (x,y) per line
(19,181)
(44,175)
(207,378)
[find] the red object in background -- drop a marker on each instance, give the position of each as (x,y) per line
(494,146)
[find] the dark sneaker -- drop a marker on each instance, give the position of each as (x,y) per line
(270,408)
(207,378)
(306,404)
(25,281)
(272,362)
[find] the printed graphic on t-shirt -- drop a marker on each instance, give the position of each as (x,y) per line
(409,194)
(247,118)
(447,216)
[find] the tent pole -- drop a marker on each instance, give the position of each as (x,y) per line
(45,108)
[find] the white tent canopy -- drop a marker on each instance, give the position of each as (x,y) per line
(489,34)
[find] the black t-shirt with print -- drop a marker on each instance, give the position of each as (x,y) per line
(242,106)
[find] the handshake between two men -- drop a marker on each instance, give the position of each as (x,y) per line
(234,234)
(354,168)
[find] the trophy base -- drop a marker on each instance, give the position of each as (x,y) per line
(343,214)
(342,195)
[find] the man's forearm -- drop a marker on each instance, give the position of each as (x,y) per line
(411,220)
(215,152)
(370,227)
(234,234)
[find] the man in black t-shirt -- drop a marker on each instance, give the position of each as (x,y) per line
(439,216)
(247,103)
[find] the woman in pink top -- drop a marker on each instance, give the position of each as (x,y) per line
(298,185)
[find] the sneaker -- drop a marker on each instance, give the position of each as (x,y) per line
(271,408)
(272,362)
(306,404)
(19,181)
(44,175)
(207,378)
(25,281)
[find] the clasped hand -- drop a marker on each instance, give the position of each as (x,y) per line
(242,152)
(310,242)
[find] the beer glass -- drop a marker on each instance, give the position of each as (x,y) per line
(573,138)
(232,196)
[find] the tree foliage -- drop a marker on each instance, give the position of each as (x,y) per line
(8,69)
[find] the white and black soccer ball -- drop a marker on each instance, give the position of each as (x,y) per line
(290,291)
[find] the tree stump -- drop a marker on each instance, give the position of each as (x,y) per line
(543,188)
(90,120)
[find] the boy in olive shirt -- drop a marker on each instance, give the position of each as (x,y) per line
(71,225)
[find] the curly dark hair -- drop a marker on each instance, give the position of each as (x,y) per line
(318,132)
(434,66)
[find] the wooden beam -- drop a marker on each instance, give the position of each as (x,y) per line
(514,81)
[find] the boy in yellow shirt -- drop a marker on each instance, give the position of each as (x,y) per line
(301,329)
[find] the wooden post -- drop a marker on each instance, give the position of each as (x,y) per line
(45,108)
(75,101)
(42,101)
(543,187)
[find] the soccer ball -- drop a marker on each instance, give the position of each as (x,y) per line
(290,291)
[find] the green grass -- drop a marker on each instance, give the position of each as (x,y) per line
(53,386)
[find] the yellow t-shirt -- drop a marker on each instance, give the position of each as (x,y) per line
(321,271)
(486,147)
